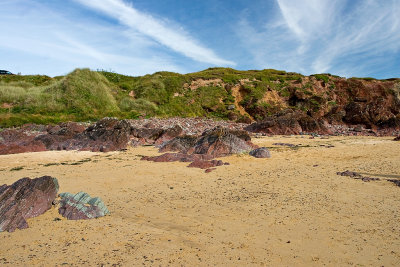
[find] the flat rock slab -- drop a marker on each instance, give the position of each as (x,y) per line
(206,164)
(26,198)
(81,206)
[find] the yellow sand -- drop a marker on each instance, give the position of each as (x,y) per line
(289,210)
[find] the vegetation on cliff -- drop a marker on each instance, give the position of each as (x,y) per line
(222,93)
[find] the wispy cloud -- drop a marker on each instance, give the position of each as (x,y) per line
(172,37)
(61,40)
(313,36)
(55,38)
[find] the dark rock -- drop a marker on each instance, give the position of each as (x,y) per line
(26,198)
(81,206)
(222,142)
(57,135)
(288,122)
(357,176)
(180,144)
(210,170)
(147,135)
(367,179)
(397,138)
(156,136)
(169,134)
(396,182)
(261,152)
(349,173)
(108,134)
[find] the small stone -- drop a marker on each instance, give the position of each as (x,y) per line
(261,152)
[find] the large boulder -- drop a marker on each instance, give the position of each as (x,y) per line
(26,198)
(81,206)
(222,142)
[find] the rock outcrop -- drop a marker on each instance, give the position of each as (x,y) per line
(219,142)
(26,198)
(200,151)
(81,206)
(21,140)
(288,122)
(108,134)
(59,135)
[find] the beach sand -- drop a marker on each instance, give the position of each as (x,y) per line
(289,210)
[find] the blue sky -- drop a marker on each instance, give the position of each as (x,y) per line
(136,37)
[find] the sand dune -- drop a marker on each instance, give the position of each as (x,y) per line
(289,210)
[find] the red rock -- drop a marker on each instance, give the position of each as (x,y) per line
(204,164)
(26,198)
(222,142)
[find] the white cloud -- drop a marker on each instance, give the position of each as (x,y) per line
(172,37)
(58,42)
(338,36)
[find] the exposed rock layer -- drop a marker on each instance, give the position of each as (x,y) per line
(26,198)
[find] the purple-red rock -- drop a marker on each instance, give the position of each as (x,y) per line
(222,142)
(261,152)
(21,140)
(169,134)
(57,136)
(205,164)
(26,198)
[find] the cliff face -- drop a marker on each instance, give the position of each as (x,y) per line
(297,104)
(309,104)
(285,102)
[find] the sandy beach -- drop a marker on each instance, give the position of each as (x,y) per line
(289,210)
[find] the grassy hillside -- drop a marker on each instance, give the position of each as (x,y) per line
(223,93)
